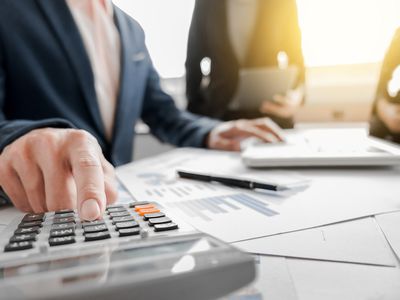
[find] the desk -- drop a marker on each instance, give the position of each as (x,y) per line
(290,278)
(293,279)
(284,277)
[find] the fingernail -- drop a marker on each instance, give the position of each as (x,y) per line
(90,210)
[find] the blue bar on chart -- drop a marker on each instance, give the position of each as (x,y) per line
(207,208)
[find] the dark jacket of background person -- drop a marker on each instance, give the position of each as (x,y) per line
(46,80)
(276,30)
(391,61)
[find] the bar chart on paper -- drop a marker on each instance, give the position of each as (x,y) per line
(230,216)
(234,214)
(211,208)
(207,208)
(201,200)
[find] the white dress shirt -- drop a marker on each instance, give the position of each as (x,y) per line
(101,38)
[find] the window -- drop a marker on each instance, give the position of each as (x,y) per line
(166,23)
(334,31)
(347,31)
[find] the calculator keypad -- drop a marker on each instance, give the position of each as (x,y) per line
(64,227)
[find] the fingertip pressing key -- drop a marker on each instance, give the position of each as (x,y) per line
(90,210)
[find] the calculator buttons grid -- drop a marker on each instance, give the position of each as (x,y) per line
(64,227)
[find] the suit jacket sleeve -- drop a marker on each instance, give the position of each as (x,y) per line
(167,122)
(11,130)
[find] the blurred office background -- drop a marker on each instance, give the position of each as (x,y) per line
(343,41)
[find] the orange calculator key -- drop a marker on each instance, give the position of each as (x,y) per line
(146,206)
(142,212)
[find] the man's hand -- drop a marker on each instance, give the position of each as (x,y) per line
(284,106)
(51,169)
(389,113)
(229,135)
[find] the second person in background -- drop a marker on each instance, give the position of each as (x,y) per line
(242,34)
(385,119)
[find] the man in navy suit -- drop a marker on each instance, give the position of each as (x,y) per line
(75,76)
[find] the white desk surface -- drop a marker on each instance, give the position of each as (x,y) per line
(290,278)
(283,277)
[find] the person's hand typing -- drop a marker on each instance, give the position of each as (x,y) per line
(51,169)
(229,135)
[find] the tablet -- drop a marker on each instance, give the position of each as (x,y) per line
(261,84)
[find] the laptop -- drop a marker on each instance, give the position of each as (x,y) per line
(323,147)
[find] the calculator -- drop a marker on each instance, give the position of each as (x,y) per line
(136,251)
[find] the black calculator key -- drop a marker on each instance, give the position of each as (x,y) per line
(63,226)
(119,214)
(97,236)
(18,246)
(155,221)
(64,215)
(116,209)
(30,224)
(64,220)
(155,215)
(114,206)
(95,228)
(123,225)
(122,219)
(134,204)
(33,217)
(165,227)
(62,232)
(129,231)
(63,211)
(34,229)
(23,237)
(64,240)
(92,223)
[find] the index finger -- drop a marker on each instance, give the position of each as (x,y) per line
(89,178)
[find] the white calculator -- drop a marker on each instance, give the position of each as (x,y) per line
(137,251)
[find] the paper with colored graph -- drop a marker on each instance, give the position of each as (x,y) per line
(234,214)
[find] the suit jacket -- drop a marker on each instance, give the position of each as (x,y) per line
(46,80)
(390,62)
(276,30)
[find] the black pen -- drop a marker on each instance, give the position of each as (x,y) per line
(242,183)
